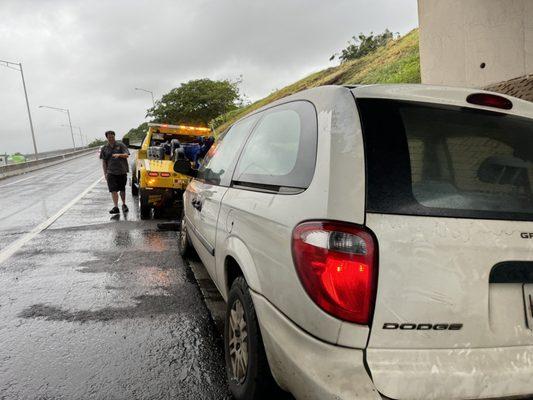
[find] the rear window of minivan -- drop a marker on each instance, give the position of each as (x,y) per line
(437,160)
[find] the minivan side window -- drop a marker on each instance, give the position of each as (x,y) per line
(280,154)
(219,162)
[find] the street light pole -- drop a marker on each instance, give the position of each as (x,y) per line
(29,113)
(9,65)
(69,122)
(148,91)
(71,132)
(82,136)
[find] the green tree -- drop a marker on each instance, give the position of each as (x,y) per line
(136,135)
(362,45)
(196,102)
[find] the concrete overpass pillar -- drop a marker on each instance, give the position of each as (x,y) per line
(477,43)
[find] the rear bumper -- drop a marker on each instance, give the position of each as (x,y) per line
(166,186)
(308,367)
(491,373)
(158,197)
(312,369)
(173,182)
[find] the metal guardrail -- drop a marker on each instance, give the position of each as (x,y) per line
(16,169)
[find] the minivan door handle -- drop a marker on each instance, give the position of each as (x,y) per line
(196,203)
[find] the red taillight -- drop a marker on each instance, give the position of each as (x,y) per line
(490,100)
(165,174)
(153,174)
(337,265)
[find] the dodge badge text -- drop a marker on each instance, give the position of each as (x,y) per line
(423,327)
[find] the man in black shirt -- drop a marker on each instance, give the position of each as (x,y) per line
(114,156)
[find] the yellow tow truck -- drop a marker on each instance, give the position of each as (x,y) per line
(153,178)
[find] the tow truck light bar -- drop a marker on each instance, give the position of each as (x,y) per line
(184,127)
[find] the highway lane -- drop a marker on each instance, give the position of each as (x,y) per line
(28,200)
(95,306)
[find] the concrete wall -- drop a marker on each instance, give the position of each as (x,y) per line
(457,36)
(22,168)
(47,154)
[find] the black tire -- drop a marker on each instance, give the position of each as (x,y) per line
(159,212)
(258,382)
(178,201)
(144,206)
(134,187)
(185,246)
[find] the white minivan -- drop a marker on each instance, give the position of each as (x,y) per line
(372,242)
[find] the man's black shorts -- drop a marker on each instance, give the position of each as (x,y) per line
(117,183)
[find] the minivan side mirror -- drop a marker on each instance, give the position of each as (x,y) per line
(184,167)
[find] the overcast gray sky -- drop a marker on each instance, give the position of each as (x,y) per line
(89,56)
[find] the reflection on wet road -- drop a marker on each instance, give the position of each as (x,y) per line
(95,307)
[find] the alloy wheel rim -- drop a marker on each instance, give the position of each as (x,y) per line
(238,342)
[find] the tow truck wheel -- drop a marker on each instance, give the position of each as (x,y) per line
(179,202)
(134,187)
(144,206)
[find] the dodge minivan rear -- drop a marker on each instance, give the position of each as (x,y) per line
(372,242)
(449,198)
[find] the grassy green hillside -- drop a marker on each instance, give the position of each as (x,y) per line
(397,62)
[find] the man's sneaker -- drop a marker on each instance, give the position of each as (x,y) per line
(114,210)
(125,208)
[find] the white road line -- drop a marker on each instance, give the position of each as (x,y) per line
(15,246)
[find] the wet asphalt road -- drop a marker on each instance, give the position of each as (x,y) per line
(29,199)
(95,307)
